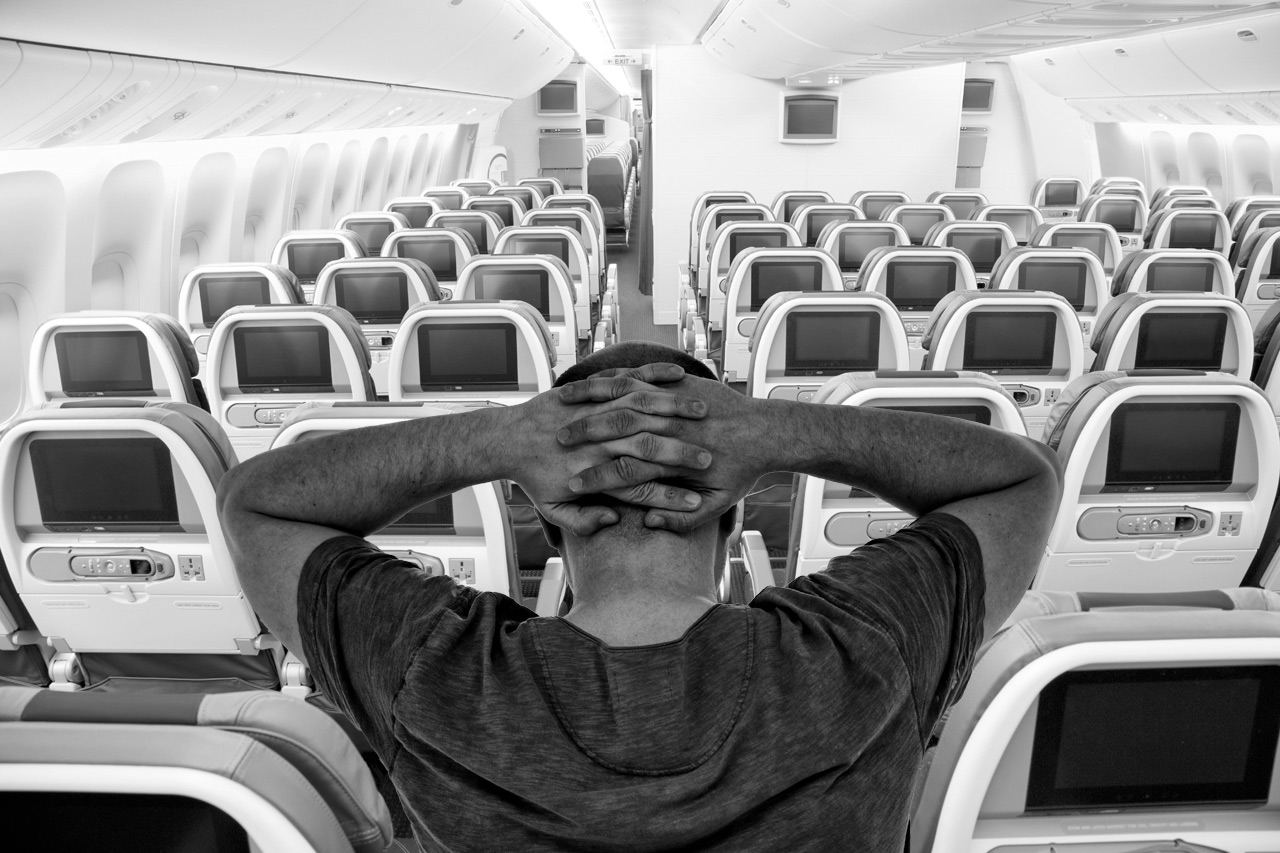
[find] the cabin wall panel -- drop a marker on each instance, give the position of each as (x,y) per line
(374,187)
(128,231)
(419,166)
(717,130)
(398,170)
(1069,149)
(265,208)
(518,129)
(1231,161)
(346,184)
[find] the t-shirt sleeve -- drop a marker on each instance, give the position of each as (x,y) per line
(363,615)
(924,588)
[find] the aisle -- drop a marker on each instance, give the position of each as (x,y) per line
(637,308)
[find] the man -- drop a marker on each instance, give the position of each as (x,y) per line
(650,717)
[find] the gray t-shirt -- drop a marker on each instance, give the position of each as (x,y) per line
(796,723)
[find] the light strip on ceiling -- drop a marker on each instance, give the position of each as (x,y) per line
(580,23)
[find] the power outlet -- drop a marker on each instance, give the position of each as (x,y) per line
(1229,524)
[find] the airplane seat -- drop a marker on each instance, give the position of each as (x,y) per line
(415,210)
(1174,331)
(1112,183)
(915,278)
(482,225)
(1257,285)
(1074,274)
(851,242)
(786,203)
(127,572)
(528,196)
(475,186)
(1022,219)
(1244,210)
(1266,349)
(810,219)
(540,281)
(1098,237)
(586,203)
(714,217)
(1185,202)
(1170,191)
(444,250)
(472,353)
(1063,737)
(982,242)
(509,210)
(700,205)
(120,355)
(567,245)
(546,186)
(918,219)
(830,519)
(373,228)
(229,771)
(266,360)
(1028,342)
(1058,199)
(1127,214)
(1188,228)
(754,277)
(210,289)
(730,240)
(377,292)
(1164,485)
(962,203)
(448,198)
(611,182)
(582,222)
(874,203)
(1248,226)
(1173,271)
(304,253)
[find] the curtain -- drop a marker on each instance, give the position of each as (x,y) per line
(646,185)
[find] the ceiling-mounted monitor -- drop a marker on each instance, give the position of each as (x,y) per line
(812,117)
(978,95)
(558,98)
(595,127)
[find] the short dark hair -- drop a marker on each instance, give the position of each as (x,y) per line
(633,354)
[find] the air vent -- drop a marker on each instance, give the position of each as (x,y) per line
(1048,61)
(1246,35)
(744,23)
(1121,52)
(96,115)
(1265,110)
(1195,115)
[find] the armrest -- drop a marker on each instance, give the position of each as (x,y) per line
(551,589)
(756,558)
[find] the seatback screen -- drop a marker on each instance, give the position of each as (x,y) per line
(915,286)
(1193,232)
(531,286)
(1180,341)
(1096,243)
(963,208)
(555,246)
(373,297)
(1274,271)
(819,221)
(103,363)
(794,203)
(724,216)
(874,207)
(1179,277)
(307,259)
(983,249)
(1021,224)
(88,483)
(1010,341)
(1068,280)
(467,357)
(441,255)
(498,206)
(431,518)
(560,221)
(447,199)
(1137,738)
(1172,447)
(917,224)
(373,233)
(1120,215)
(826,343)
(855,245)
(288,360)
(417,214)
(742,240)
(771,277)
(219,293)
(1061,193)
(476,227)
(975,412)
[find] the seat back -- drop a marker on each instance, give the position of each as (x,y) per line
(373,227)
(982,243)
(1163,481)
(1185,202)
(126,572)
(475,186)
(528,196)
(851,242)
(916,278)
(875,203)
(304,253)
(803,339)
(730,240)
(962,203)
(415,210)
(1257,285)
(567,245)
(755,276)
(1258,220)
(1029,342)
(1177,191)
(704,201)
(265,361)
(918,219)
(1173,271)
(377,292)
(1098,237)
(586,203)
(1022,219)
(546,186)
(713,218)
(482,226)
(449,198)
(122,355)
(829,518)
(1058,198)
(509,210)
(210,289)
(786,203)
(1088,693)
(582,222)
(1127,214)
(1244,207)
(1074,274)
(810,219)
(1183,228)
(254,770)
(1174,331)
(444,250)
(541,281)
(465,535)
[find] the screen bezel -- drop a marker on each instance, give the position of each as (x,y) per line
(971,237)
(1182,222)
(1082,280)
(1188,481)
(861,233)
(203,283)
(1006,365)
(1155,268)
(542,306)
(795,366)
(1075,194)
(165,518)
(107,387)
(510,380)
(890,284)
(831,133)
(736,238)
(292,247)
(517,245)
(756,303)
(323,381)
(342,280)
(450,273)
(559,86)
(1129,205)
(1144,337)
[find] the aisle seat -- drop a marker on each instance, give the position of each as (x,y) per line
(1174,331)
(373,228)
(809,220)
(547,187)
(444,250)
(567,245)
(526,195)
(1257,284)
(729,241)
(581,221)
(851,242)
(1058,198)
(1173,271)
(1098,237)
(874,203)
(482,226)
(210,289)
(1022,219)
(541,281)
(982,242)
(1074,274)
(786,203)
(713,219)
(700,205)
(304,253)
(918,219)
(588,205)
(509,210)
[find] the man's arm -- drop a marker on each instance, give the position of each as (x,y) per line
(1004,487)
(277,507)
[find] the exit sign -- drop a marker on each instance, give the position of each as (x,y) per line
(623,59)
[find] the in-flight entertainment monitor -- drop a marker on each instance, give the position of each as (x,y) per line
(1109,740)
(794,203)
(977,95)
(555,246)
(1019,222)
(219,293)
(561,221)
(103,364)
(723,216)
(282,360)
(433,518)
(109,484)
(855,245)
(742,240)
(975,412)
(559,97)
(820,220)
(1012,342)
(595,127)
(1180,277)
(810,118)
(918,223)
(476,227)
(532,286)
(1061,194)
(1193,232)
(372,233)
(983,249)
(307,259)
(1182,341)
(373,297)
(1096,243)
(963,208)
(873,207)
(438,254)
(1172,447)
(770,277)
(416,213)
(1068,280)
(467,357)
(917,285)
(828,343)
(1119,214)
(497,205)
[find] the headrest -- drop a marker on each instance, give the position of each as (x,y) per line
(839,299)
(1266,329)
(469,306)
(839,388)
(425,275)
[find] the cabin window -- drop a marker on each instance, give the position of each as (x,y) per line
(189,253)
